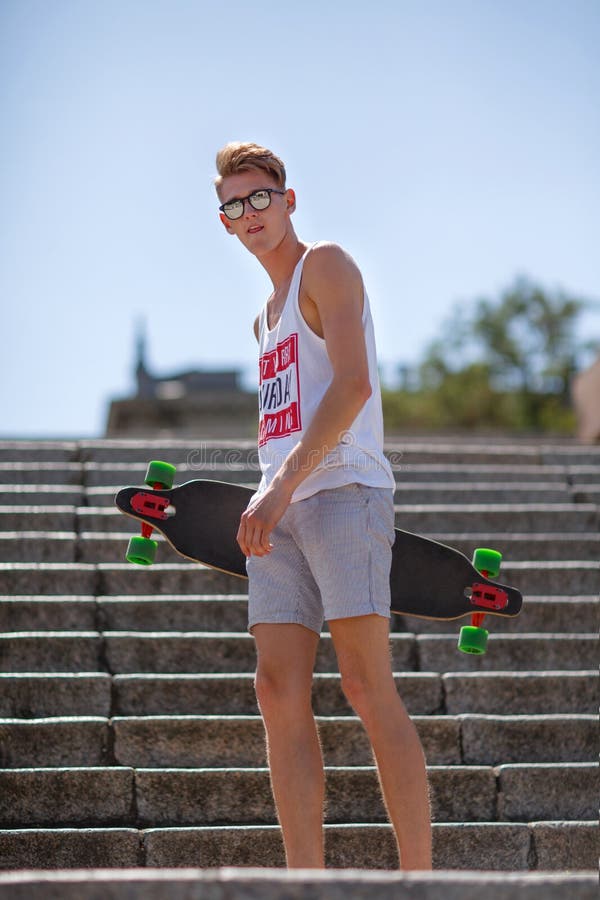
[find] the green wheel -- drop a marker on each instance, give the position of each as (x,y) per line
(141,551)
(472,640)
(161,473)
(487,561)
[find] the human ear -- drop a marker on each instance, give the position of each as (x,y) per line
(226,223)
(290,199)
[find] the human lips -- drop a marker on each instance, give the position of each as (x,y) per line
(254,229)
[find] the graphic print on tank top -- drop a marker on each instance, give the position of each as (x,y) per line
(279,391)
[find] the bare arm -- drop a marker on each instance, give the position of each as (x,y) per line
(334,287)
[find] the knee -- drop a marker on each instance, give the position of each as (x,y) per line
(267,688)
(357,691)
(371,696)
(276,692)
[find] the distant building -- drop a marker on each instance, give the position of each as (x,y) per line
(194,403)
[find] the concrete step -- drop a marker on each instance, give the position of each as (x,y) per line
(216,612)
(99,547)
(503,846)
(67,848)
(509,453)
(520,693)
(43,495)
(560,475)
(199,455)
(523,517)
(407,493)
(58,579)
(68,473)
(517,547)
(208,652)
(485,846)
(425,450)
(41,695)
(51,579)
(328,884)
(523,652)
(586,493)
(423,693)
(78,651)
(90,475)
(39,546)
(67,613)
(119,698)
(475,452)
(91,547)
(161,652)
(461,473)
(49,494)
(107,474)
(413,449)
(149,797)
(481,519)
(97,474)
(536,791)
(39,451)
(531,577)
(229,612)
(571,455)
(78,579)
(76,741)
(239,741)
(540,614)
(584,474)
(60,517)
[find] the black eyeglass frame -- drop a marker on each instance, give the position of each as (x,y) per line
(243,200)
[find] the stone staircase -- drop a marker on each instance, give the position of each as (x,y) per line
(129,732)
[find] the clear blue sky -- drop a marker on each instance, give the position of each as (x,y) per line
(449,145)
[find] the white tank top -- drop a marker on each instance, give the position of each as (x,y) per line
(294,373)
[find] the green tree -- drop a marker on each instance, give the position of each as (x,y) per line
(524,343)
(504,363)
(528,338)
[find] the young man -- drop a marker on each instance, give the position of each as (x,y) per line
(318,533)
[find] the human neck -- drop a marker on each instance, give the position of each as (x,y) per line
(280,262)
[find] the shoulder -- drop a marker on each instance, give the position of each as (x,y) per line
(326,254)
(327,262)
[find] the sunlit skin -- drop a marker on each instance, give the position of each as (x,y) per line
(331,302)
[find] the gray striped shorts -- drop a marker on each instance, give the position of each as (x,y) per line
(331,559)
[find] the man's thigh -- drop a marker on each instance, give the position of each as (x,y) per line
(281,587)
(362,647)
(346,535)
(286,654)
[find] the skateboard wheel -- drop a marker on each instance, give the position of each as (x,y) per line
(487,561)
(162,473)
(141,551)
(472,640)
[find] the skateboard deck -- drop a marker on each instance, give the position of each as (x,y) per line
(200,520)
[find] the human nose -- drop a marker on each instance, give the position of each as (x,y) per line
(249,211)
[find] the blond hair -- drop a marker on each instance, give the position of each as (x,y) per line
(238,156)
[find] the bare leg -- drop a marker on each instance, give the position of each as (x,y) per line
(286,658)
(362,647)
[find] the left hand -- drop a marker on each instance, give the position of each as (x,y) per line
(260,518)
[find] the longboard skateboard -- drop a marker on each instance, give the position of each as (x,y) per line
(428,579)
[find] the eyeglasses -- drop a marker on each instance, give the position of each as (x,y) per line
(257,200)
